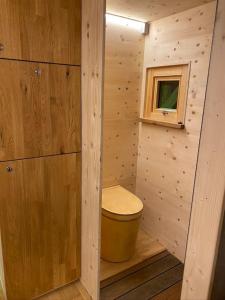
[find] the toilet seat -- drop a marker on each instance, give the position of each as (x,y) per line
(120,204)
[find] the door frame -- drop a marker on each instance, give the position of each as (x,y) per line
(92,78)
(208,197)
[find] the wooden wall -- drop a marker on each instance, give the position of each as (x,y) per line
(208,200)
(123,70)
(93,12)
(167,157)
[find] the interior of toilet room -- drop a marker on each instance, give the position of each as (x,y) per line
(157,163)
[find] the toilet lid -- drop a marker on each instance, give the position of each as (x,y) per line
(120,201)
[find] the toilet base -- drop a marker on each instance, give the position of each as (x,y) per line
(118,239)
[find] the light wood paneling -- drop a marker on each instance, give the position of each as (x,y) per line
(40,109)
(208,200)
(40,224)
(150,10)
(93,28)
(146,247)
(122,88)
(39,30)
(167,156)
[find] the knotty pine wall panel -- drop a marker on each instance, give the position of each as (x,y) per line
(167,156)
(151,10)
(123,73)
(93,42)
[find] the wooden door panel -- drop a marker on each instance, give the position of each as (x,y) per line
(39,109)
(40,224)
(41,30)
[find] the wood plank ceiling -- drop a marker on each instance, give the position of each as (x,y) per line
(150,10)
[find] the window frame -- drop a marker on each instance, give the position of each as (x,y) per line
(160,116)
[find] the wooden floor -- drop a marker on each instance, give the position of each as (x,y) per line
(146,248)
(157,278)
(74,291)
(151,274)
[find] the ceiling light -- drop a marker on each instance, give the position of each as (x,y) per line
(130,23)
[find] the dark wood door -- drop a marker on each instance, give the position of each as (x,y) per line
(41,30)
(40,224)
(39,109)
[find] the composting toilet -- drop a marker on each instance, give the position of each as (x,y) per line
(121,213)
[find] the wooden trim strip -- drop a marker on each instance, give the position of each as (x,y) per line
(147,121)
(40,62)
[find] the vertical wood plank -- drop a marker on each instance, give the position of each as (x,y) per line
(208,201)
(93,28)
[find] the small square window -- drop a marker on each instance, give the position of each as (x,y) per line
(167,94)
(165,99)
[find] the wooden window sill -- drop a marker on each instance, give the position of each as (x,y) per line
(165,124)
